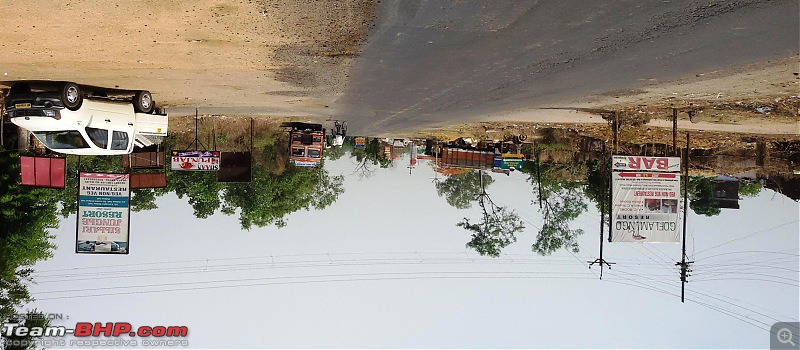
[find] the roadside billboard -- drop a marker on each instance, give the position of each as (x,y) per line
(508,160)
(639,163)
(103,213)
(361,142)
(645,207)
(195,160)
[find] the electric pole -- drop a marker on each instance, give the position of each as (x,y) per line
(685,265)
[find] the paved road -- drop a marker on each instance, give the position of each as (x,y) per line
(429,62)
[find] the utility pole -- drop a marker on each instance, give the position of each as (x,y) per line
(685,265)
(196,137)
(615,131)
(538,173)
(600,260)
(675,131)
(615,143)
(610,196)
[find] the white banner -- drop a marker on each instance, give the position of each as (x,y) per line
(195,160)
(103,213)
(639,163)
(645,207)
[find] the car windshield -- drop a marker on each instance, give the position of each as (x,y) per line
(68,139)
(313,153)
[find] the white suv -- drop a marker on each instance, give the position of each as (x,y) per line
(84,120)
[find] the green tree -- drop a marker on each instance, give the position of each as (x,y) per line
(559,207)
(26,216)
(749,189)
(594,184)
(374,151)
(368,158)
(463,189)
(270,197)
(334,152)
(560,202)
(701,199)
(201,188)
(326,189)
(144,199)
(496,230)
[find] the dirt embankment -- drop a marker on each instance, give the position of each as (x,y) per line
(761,98)
(283,56)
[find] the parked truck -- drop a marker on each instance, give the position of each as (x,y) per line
(306,143)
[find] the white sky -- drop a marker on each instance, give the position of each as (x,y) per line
(410,281)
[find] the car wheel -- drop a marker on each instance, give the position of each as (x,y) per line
(20,88)
(71,96)
(143,102)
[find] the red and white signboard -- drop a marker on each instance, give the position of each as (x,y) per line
(645,207)
(639,163)
(195,160)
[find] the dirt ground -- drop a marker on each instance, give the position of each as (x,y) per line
(761,98)
(740,105)
(290,57)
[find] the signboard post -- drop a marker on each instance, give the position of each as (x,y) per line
(195,160)
(103,213)
(645,204)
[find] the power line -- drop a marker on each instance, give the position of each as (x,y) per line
(746,236)
(775,319)
(747,279)
(267,265)
(753,251)
(719,309)
(306,282)
(311,276)
(719,295)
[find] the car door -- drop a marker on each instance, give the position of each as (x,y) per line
(111,115)
(98,136)
(113,141)
(120,140)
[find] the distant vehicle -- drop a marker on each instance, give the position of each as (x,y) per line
(83,120)
(339,132)
(306,143)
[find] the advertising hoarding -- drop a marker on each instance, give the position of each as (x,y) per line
(508,160)
(361,142)
(195,160)
(645,207)
(103,213)
(639,163)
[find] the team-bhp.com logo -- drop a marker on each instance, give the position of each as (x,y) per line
(87,334)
